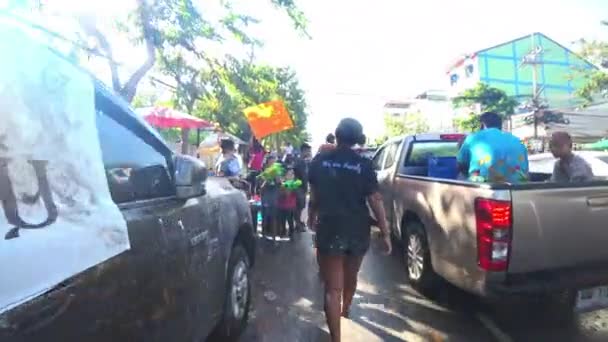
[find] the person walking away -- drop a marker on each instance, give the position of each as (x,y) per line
(271,180)
(342,182)
(256,164)
(287,203)
(301,172)
(492,155)
(569,168)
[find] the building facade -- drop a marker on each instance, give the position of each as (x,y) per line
(515,67)
(434,106)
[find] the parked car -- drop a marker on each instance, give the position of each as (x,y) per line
(544,162)
(494,240)
(186,274)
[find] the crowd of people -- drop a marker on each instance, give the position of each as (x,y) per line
(342,188)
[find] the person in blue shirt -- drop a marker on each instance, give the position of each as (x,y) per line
(492,155)
(228,165)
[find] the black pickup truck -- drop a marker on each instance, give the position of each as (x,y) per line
(186,274)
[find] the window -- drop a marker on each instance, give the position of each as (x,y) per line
(135,170)
(421,151)
(379,158)
(453,79)
(469,70)
(391,155)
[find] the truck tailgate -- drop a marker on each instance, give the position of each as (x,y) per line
(555,228)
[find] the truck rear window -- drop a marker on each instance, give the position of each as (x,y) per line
(421,151)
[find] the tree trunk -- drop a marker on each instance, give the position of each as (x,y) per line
(185,140)
(130,88)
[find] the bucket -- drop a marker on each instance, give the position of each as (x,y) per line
(443,167)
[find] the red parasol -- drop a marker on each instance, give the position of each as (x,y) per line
(163,117)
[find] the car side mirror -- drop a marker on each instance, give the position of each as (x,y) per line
(190,177)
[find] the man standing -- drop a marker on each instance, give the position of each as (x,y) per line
(493,156)
(569,167)
(330,144)
(342,182)
(228,164)
(301,173)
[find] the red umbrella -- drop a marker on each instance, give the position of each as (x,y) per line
(163,117)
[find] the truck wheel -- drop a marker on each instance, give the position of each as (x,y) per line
(238,297)
(418,258)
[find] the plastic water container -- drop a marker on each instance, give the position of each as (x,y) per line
(443,167)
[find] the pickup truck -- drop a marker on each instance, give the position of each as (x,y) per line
(186,274)
(494,240)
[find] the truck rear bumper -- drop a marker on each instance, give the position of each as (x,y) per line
(546,282)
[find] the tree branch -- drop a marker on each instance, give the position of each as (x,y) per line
(130,88)
(105,46)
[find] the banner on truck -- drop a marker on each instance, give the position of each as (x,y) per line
(57,217)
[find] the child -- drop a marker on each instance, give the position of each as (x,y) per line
(271,181)
(287,203)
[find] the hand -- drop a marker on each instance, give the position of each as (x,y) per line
(388,243)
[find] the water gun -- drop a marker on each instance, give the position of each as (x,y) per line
(292,185)
(272,172)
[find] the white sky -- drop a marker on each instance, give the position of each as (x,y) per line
(388,49)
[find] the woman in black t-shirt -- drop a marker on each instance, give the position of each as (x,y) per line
(342,183)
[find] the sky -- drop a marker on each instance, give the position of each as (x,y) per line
(363,53)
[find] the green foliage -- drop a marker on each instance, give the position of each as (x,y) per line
(489,99)
(597,83)
(236,85)
(412,123)
(596,80)
(178,33)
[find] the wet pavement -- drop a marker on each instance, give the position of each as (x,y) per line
(287,306)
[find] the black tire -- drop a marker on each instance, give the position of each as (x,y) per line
(426,280)
(233,324)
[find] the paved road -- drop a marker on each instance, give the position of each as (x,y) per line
(287,306)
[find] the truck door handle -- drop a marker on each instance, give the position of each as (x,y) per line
(598,202)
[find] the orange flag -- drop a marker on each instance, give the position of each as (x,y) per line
(268,118)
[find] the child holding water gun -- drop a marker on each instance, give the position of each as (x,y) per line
(269,191)
(287,203)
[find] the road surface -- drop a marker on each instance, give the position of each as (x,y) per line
(287,306)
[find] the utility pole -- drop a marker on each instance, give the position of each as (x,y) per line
(532,59)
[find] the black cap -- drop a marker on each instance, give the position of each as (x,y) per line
(350,132)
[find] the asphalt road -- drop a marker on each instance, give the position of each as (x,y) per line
(287,306)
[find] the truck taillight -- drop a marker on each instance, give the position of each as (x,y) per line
(493,220)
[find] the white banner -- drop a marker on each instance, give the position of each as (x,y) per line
(57,216)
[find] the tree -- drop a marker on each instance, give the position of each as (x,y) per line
(488,99)
(174,29)
(237,85)
(597,80)
(412,123)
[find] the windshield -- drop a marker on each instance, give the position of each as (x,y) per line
(184,170)
(422,151)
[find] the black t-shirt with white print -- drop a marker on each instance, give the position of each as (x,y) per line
(342,180)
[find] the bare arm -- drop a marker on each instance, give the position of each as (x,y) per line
(312,210)
(377,205)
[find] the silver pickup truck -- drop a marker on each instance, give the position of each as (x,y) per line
(494,240)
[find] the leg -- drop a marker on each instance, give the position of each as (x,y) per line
(352,264)
(283,219)
(332,273)
(290,222)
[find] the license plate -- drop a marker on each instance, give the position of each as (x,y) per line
(592,299)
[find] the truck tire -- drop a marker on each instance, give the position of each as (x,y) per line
(417,257)
(238,297)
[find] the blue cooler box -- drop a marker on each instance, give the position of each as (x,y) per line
(443,167)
